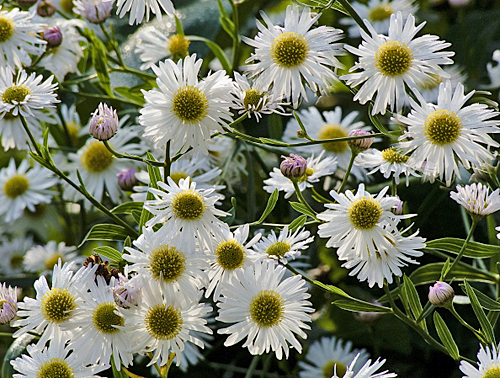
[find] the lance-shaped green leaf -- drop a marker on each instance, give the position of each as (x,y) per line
(271,203)
(445,336)
(127,208)
(273,142)
(154,177)
(485,301)
(485,324)
(216,50)
(297,223)
(431,273)
(109,252)
(108,232)
(473,249)
(98,52)
(229,219)
(410,292)
(301,208)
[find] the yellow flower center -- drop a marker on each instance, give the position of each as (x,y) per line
(55,368)
(163,323)
(492,372)
(333,131)
(392,156)
(56,305)
(328,369)
(442,127)
(278,249)
(52,260)
(289,50)
(380,13)
(188,205)
(16,94)
(305,176)
(96,157)
(178,175)
(253,99)
(16,261)
(365,213)
(230,255)
(73,130)
(67,6)
(16,186)
(190,104)
(178,46)
(393,58)
(167,262)
(105,318)
(6,28)
(267,308)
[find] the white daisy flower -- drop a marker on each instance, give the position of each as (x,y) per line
(97,326)
(488,360)
(153,46)
(99,168)
(24,187)
(230,253)
(390,162)
(191,354)
(55,359)
(64,58)
(140,9)
(8,299)
(94,11)
(43,258)
(316,168)
(493,71)
(288,245)
(23,94)
(429,88)
(327,125)
(327,353)
(388,63)
(163,325)
(378,12)
(53,306)
(12,254)
(254,99)
(440,135)
(181,169)
(367,371)
(189,212)
(267,311)
(184,110)
(355,222)
(18,40)
(287,56)
(165,260)
(385,262)
(476,199)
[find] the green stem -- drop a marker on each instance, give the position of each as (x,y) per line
(113,44)
(100,96)
(130,70)
(251,368)
(131,157)
(5,334)
(236,38)
(347,6)
(465,324)
(301,197)
(348,171)
(165,368)
(30,135)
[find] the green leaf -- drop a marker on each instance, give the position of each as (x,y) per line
(410,292)
(301,208)
(98,53)
(431,273)
(128,207)
(376,122)
(127,242)
(178,26)
(486,326)
(445,336)
(154,177)
(485,301)
(297,223)
(271,203)
(216,50)
(134,94)
(109,232)
(273,142)
(109,252)
(229,219)
(474,249)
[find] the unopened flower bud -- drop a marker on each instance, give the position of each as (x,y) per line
(397,208)
(8,303)
(300,134)
(293,167)
(104,123)
(94,11)
(46,9)
(441,294)
(26,4)
(127,179)
(128,291)
(360,145)
(53,36)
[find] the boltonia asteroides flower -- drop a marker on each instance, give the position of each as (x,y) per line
(387,63)
(288,56)
(476,199)
(184,110)
(489,361)
(267,311)
(439,136)
(139,9)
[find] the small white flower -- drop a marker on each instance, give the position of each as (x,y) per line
(140,9)
(488,361)
(183,109)
(388,63)
(42,258)
(267,311)
(476,199)
(367,371)
(288,56)
(23,188)
(439,136)
(317,167)
(12,254)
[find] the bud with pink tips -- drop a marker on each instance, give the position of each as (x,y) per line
(104,123)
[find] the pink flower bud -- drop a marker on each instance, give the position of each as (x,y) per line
(46,9)
(293,167)
(53,36)
(441,294)
(104,123)
(360,144)
(8,303)
(127,179)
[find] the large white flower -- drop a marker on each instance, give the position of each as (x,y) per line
(267,311)
(388,63)
(439,136)
(139,9)
(18,39)
(489,362)
(23,187)
(290,55)
(184,110)
(327,125)
(188,212)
